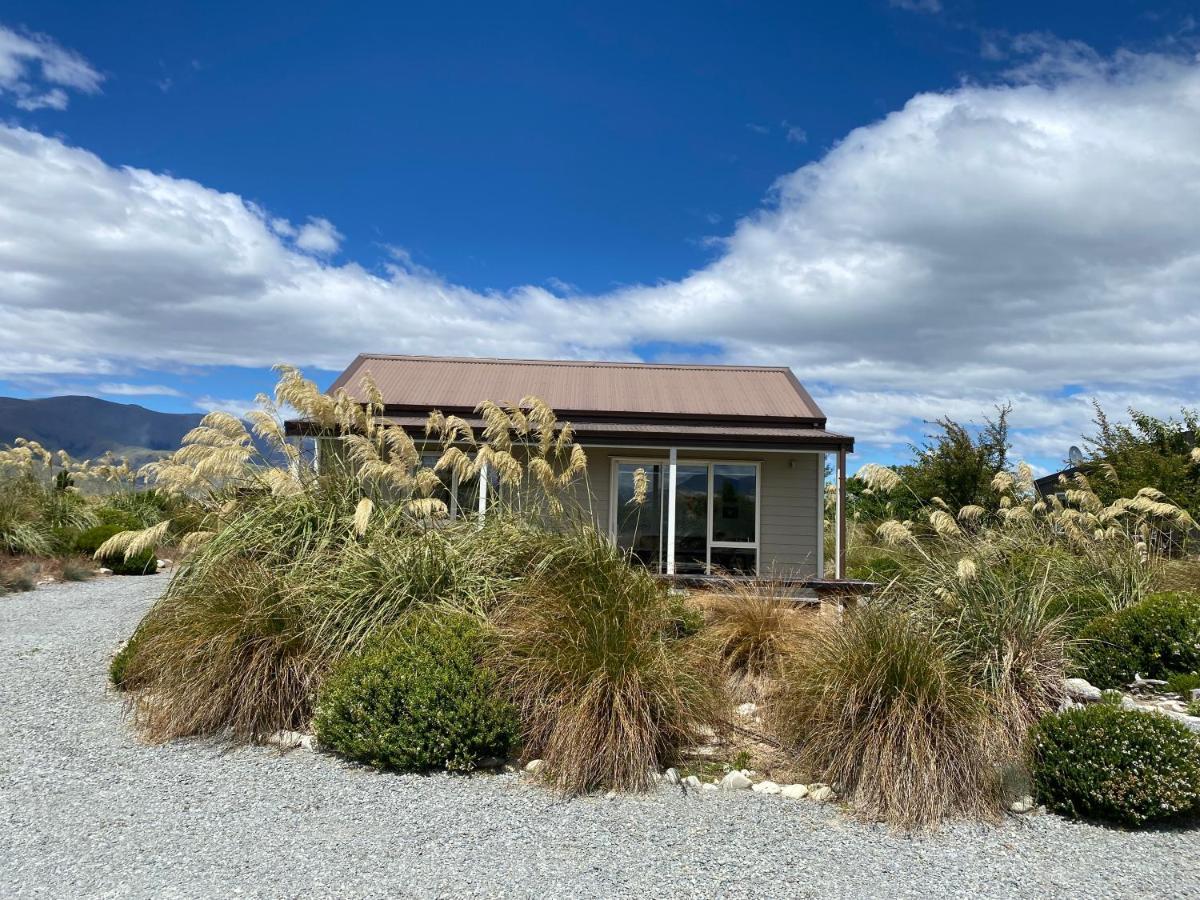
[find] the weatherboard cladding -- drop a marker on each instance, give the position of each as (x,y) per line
(615,389)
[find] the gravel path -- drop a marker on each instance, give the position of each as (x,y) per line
(87,811)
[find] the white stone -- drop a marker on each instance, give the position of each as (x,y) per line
(795,791)
(692,781)
(735,781)
(165,562)
(766,787)
(534,766)
(671,776)
(820,792)
(1024,805)
(103,571)
(1196,693)
(288,739)
(710,787)
(611,795)
(747,709)
(1082,690)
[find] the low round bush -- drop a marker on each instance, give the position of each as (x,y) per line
(120,665)
(1116,765)
(145,563)
(417,700)
(1156,638)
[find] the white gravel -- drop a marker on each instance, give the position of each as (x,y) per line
(87,811)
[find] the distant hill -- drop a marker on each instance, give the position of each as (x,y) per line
(86,426)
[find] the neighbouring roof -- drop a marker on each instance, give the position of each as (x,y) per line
(607,400)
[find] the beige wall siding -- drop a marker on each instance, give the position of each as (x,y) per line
(789,530)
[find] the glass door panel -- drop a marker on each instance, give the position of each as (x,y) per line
(691,518)
(735,497)
(640,527)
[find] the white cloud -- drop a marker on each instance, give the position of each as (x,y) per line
(925,6)
(35,71)
(1036,240)
(319,236)
(235,407)
(125,389)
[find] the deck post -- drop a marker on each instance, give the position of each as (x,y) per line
(483,488)
(840,522)
(672,461)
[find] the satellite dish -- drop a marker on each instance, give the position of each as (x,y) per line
(1075,456)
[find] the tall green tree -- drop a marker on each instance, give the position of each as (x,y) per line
(958,463)
(1145,452)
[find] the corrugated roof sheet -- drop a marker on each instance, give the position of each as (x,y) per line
(628,389)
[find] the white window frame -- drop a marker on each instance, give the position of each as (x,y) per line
(755,545)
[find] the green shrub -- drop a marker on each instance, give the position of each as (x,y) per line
(417,700)
(1116,765)
(145,563)
(1156,638)
(120,668)
(1193,708)
(110,515)
(1184,683)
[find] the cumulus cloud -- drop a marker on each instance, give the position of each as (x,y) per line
(35,71)
(1035,240)
(125,389)
(318,236)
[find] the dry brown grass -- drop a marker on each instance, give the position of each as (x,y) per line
(606,695)
(878,706)
(751,627)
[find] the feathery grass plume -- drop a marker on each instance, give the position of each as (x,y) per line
(1024,479)
(943,523)
(362,515)
(129,544)
(640,486)
(971,514)
(606,697)
(893,533)
(1194,456)
(193,539)
(879,705)
(966,570)
(1003,482)
(879,478)
(497,426)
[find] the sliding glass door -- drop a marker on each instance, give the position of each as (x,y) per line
(716,515)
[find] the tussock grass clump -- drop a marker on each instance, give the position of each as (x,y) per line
(583,647)
(882,707)
(751,627)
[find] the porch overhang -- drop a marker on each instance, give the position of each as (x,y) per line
(659,432)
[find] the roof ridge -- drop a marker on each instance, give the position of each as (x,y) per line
(578,363)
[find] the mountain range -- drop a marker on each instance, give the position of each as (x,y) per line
(86,426)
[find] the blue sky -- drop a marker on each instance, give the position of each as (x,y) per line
(625,181)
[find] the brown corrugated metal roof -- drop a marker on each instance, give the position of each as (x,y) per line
(612,388)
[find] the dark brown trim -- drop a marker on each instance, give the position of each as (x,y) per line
(582,416)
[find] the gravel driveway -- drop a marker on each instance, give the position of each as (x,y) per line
(86,811)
